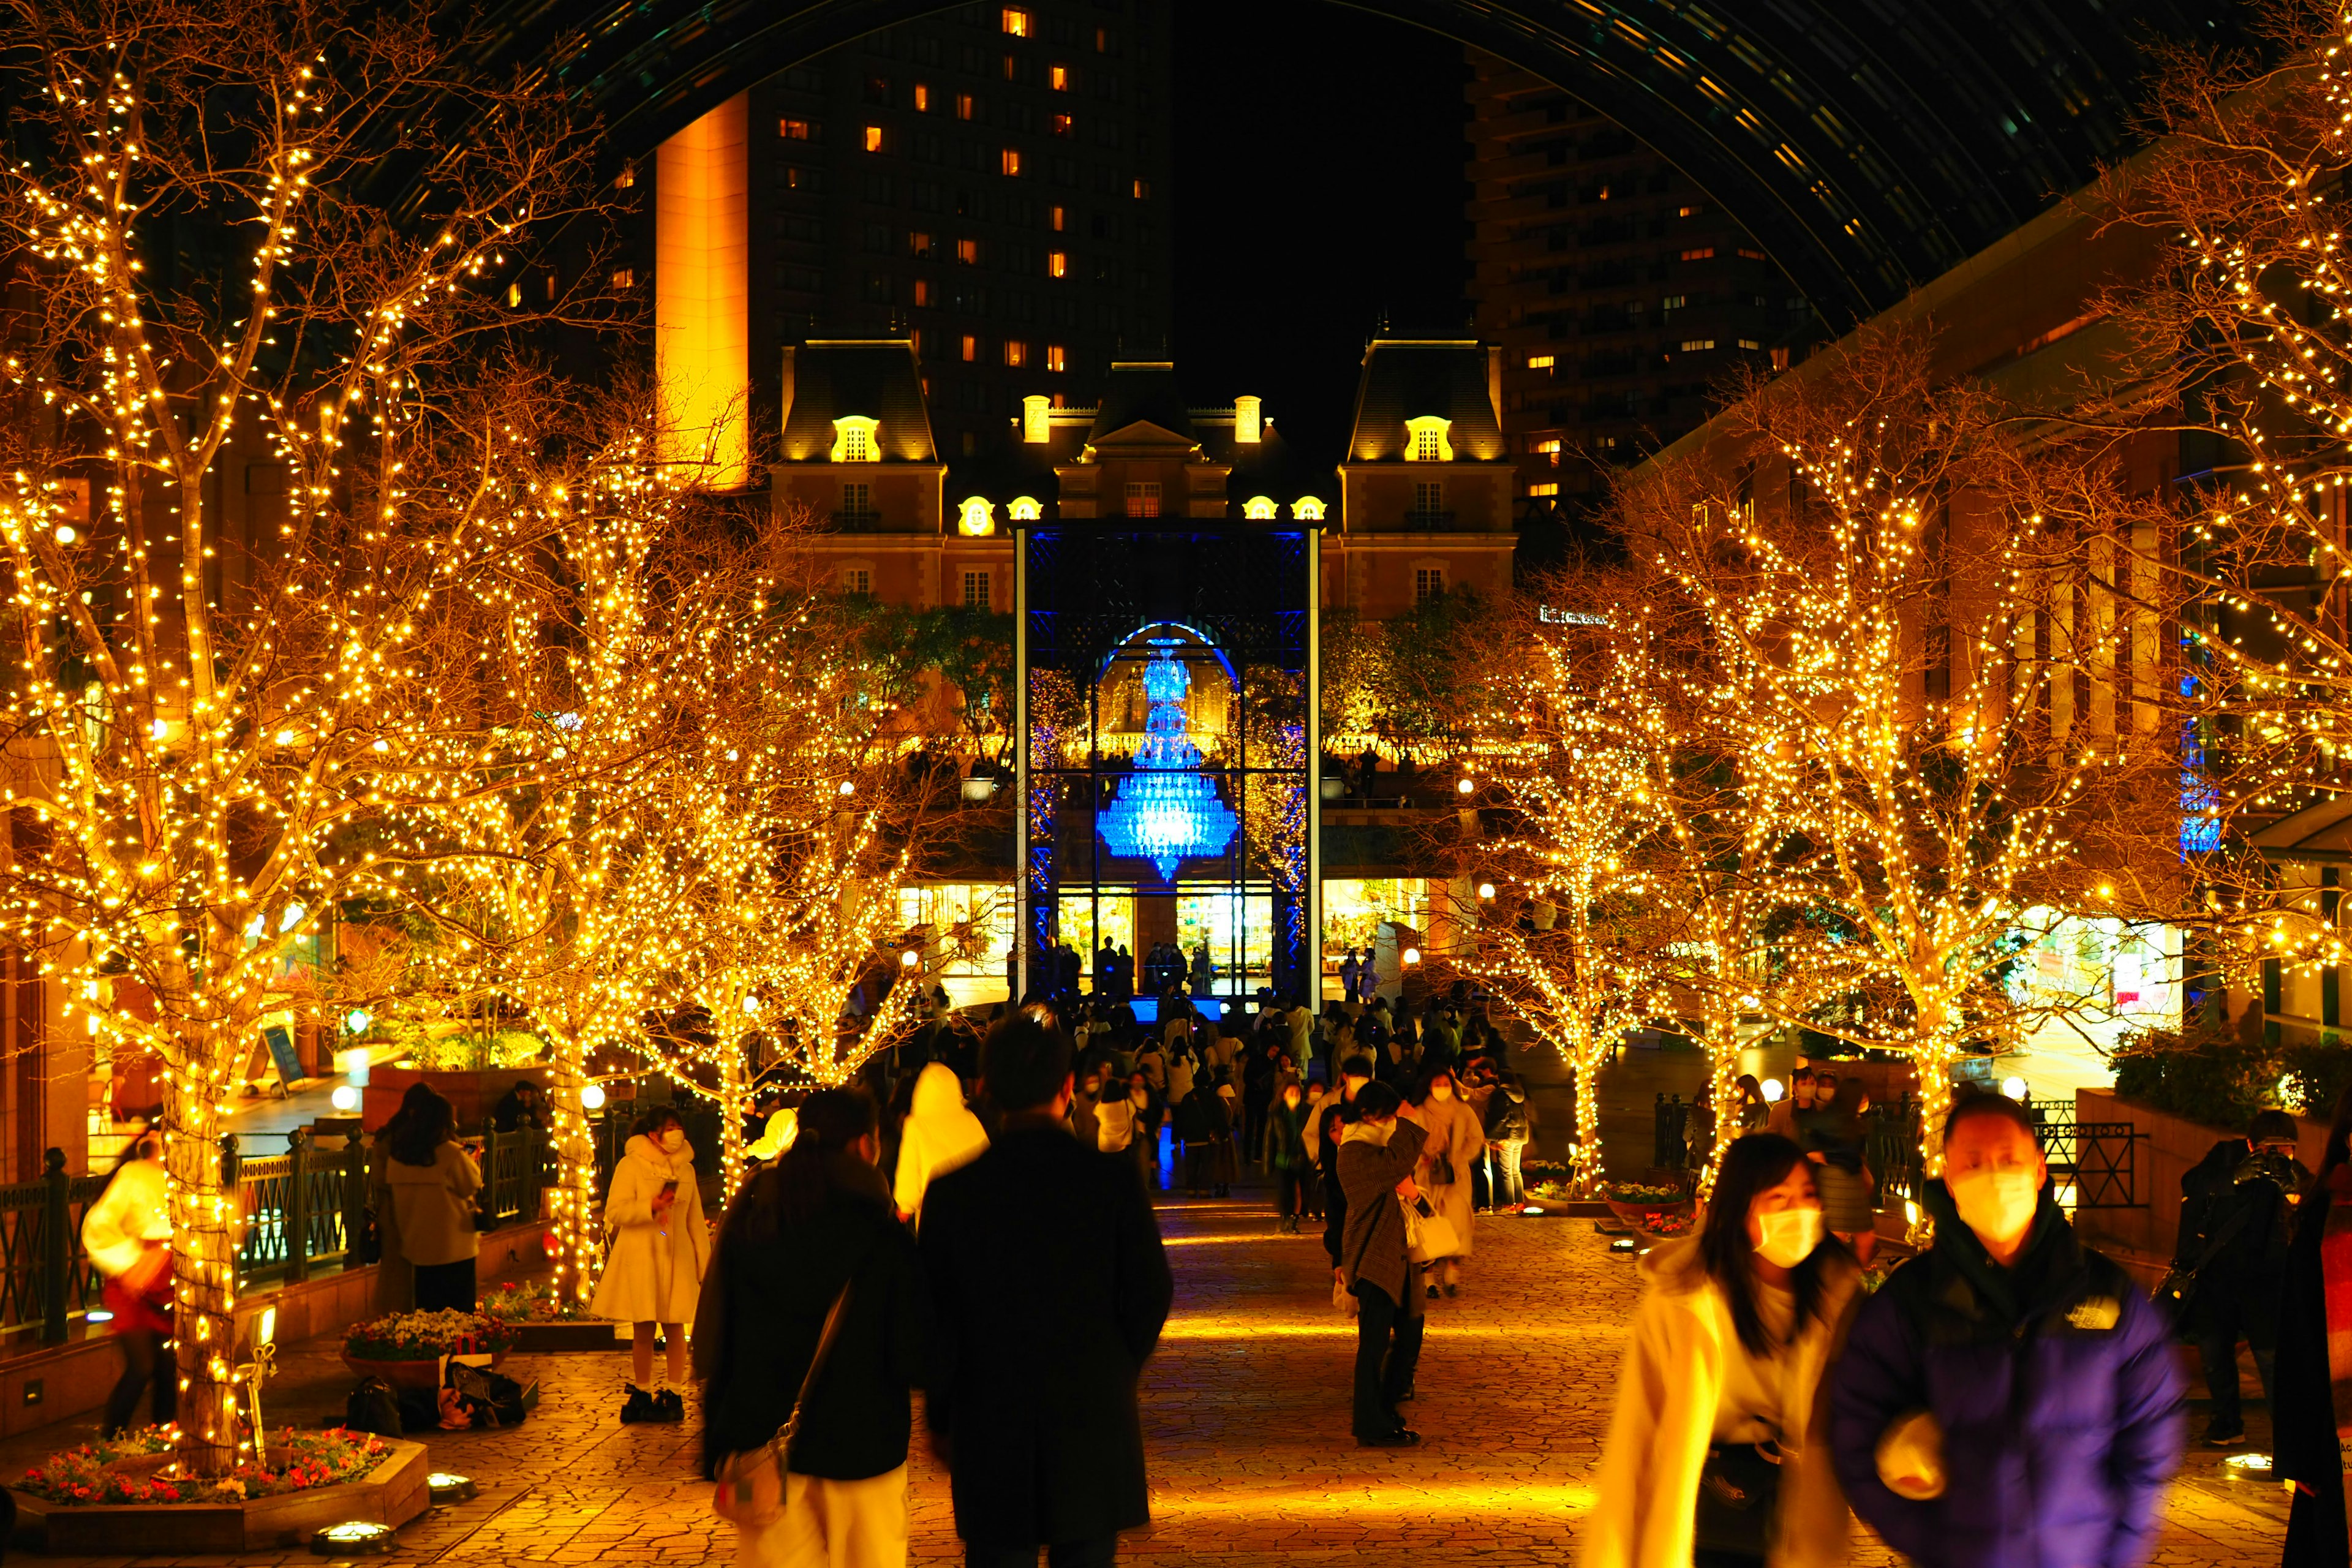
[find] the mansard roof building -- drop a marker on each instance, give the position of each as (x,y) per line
(1421,503)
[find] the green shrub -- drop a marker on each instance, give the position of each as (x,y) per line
(2219,1082)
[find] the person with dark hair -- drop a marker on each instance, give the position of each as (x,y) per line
(2307,1424)
(809,1232)
(661,1247)
(2236,1207)
(1833,1134)
(1377,1155)
(1049,1286)
(127,1235)
(1719,1397)
(433,1181)
(395,1281)
(2008,1397)
(1205,1127)
(1510,1123)
(520,1109)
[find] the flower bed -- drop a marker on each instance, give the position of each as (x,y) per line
(426,1336)
(137,1468)
(514,1304)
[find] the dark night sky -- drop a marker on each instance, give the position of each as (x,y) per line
(1318,182)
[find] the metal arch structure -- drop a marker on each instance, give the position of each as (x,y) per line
(1868,145)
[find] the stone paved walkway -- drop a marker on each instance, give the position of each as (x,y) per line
(1245,1418)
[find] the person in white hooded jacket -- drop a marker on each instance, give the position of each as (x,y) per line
(938,1135)
(661,1248)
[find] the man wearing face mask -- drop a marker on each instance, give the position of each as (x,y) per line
(2237,1209)
(2008,1396)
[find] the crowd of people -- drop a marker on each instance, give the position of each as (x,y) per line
(2007,1396)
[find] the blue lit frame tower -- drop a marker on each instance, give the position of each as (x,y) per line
(1088,593)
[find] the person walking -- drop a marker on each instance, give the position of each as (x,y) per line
(938,1134)
(1040,1430)
(1261,1061)
(1377,1153)
(1719,1394)
(1201,1125)
(2235,1210)
(433,1181)
(661,1247)
(127,1235)
(1285,1145)
(1146,1112)
(811,1232)
(2008,1397)
(2315,1310)
(1454,1140)
(1510,1123)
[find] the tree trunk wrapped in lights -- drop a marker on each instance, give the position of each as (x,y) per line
(209,723)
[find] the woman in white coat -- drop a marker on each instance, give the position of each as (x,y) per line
(1723,1378)
(661,1247)
(938,1134)
(1454,1143)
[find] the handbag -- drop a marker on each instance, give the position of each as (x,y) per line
(1441,1170)
(1738,1493)
(1428,1237)
(751,1490)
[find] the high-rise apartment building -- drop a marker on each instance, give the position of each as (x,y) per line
(992,182)
(1620,295)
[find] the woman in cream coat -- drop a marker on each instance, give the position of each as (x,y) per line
(1456,1137)
(661,1248)
(1727,1351)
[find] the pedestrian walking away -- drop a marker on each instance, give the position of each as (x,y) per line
(939,1134)
(1721,1397)
(2008,1396)
(1049,1287)
(661,1247)
(813,1234)
(1287,1148)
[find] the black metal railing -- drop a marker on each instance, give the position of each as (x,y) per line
(303,1212)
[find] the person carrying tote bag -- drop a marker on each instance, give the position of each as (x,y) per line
(815,1322)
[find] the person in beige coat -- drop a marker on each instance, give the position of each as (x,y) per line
(1454,1143)
(432,1180)
(661,1249)
(1723,1384)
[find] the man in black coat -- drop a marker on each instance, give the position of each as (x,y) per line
(1049,1286)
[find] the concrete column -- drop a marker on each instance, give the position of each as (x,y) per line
(702,253)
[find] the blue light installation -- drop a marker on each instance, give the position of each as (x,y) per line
(1167,811)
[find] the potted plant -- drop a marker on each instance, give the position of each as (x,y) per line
(541,1320)
(408,1349)
(1647,1205)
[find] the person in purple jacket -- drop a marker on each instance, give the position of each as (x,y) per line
(2009,1398)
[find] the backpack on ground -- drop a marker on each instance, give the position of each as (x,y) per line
(374,1407)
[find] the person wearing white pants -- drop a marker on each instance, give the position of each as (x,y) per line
(832,1525)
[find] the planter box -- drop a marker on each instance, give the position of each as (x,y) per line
(544,1338)
(392,1493)
(471,1094)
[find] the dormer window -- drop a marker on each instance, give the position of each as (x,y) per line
(977,518)
(1425,441)
(1307,509)
(1260,509)
(853,439)
(1022,509)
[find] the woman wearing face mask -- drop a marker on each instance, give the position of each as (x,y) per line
(1718,1397)
(1455,1141)
(128,1236)
(661,1246)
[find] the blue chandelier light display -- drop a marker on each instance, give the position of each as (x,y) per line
(1167,812)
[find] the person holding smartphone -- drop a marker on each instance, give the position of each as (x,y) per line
(661,1248)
